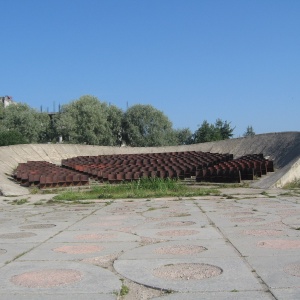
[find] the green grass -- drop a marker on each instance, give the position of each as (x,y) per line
(143,188)
(19,201)
(295,184)
(124,290)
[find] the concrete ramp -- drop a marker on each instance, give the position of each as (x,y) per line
(283,148)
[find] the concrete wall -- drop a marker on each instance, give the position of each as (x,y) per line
(283,148)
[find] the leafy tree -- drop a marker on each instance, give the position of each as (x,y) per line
(145,126)
(11,137)
(114,119)
(183,136)
(2,126)
(89,121)
(213,132)
(205,133)
(249,131)
(31,124)
(223,129)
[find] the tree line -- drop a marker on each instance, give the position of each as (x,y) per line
(90,121)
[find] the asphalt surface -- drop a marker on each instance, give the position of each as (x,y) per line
(244,244)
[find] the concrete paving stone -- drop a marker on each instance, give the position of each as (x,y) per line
(180,233)
(242,220)
(224,295)
(106,222)
(76,251)
(173,222)
(93,279)
(235,276)
(154,212)
(278,273)
(293,221)
(24,237)
(49,296)
(186,249)
(9,251)
(249,246)
(286,294)
(69,236)
(38,224)
(271,229)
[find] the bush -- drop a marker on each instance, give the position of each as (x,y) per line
(11,137)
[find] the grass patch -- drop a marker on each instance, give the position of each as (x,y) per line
(19,201)
(124,290)
(68,201)
(142,188)
(295,184)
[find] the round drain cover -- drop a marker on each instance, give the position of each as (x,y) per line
(180,249)
(17,235)
(247,220)
(79,249)
(176,223)
(262,232)
(187,271)
(47,278)
(280,244)
(177,232)
(37,226)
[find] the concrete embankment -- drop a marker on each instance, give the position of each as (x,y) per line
(283,148)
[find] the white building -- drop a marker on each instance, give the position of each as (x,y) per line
(7,100)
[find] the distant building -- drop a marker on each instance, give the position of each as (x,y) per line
(6,101)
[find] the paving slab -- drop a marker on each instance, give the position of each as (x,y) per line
(181,249)
(224,295)
(89,236)
(282,273)
(234,274)
(287,294)
(76,251)
(57,277)
(49,296)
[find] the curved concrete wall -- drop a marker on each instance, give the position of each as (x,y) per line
(283,148)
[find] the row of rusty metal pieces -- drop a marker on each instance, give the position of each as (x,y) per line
(219,175)
(150,158)
(248,166)
(225,174)
(129,176)
(245,168)
(45,174)
(101,172)
(136,160)
(93,169)
(258,159)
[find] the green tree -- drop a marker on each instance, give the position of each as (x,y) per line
(249,131)
(32,125)
(145,126)
(89,121)
(213,132)
(2,126)
(183,136)
(114,119)
(11,137)
(205,133)
(223,129)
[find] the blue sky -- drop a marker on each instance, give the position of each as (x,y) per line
(195,60)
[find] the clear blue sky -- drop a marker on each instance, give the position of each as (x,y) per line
(195,60)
